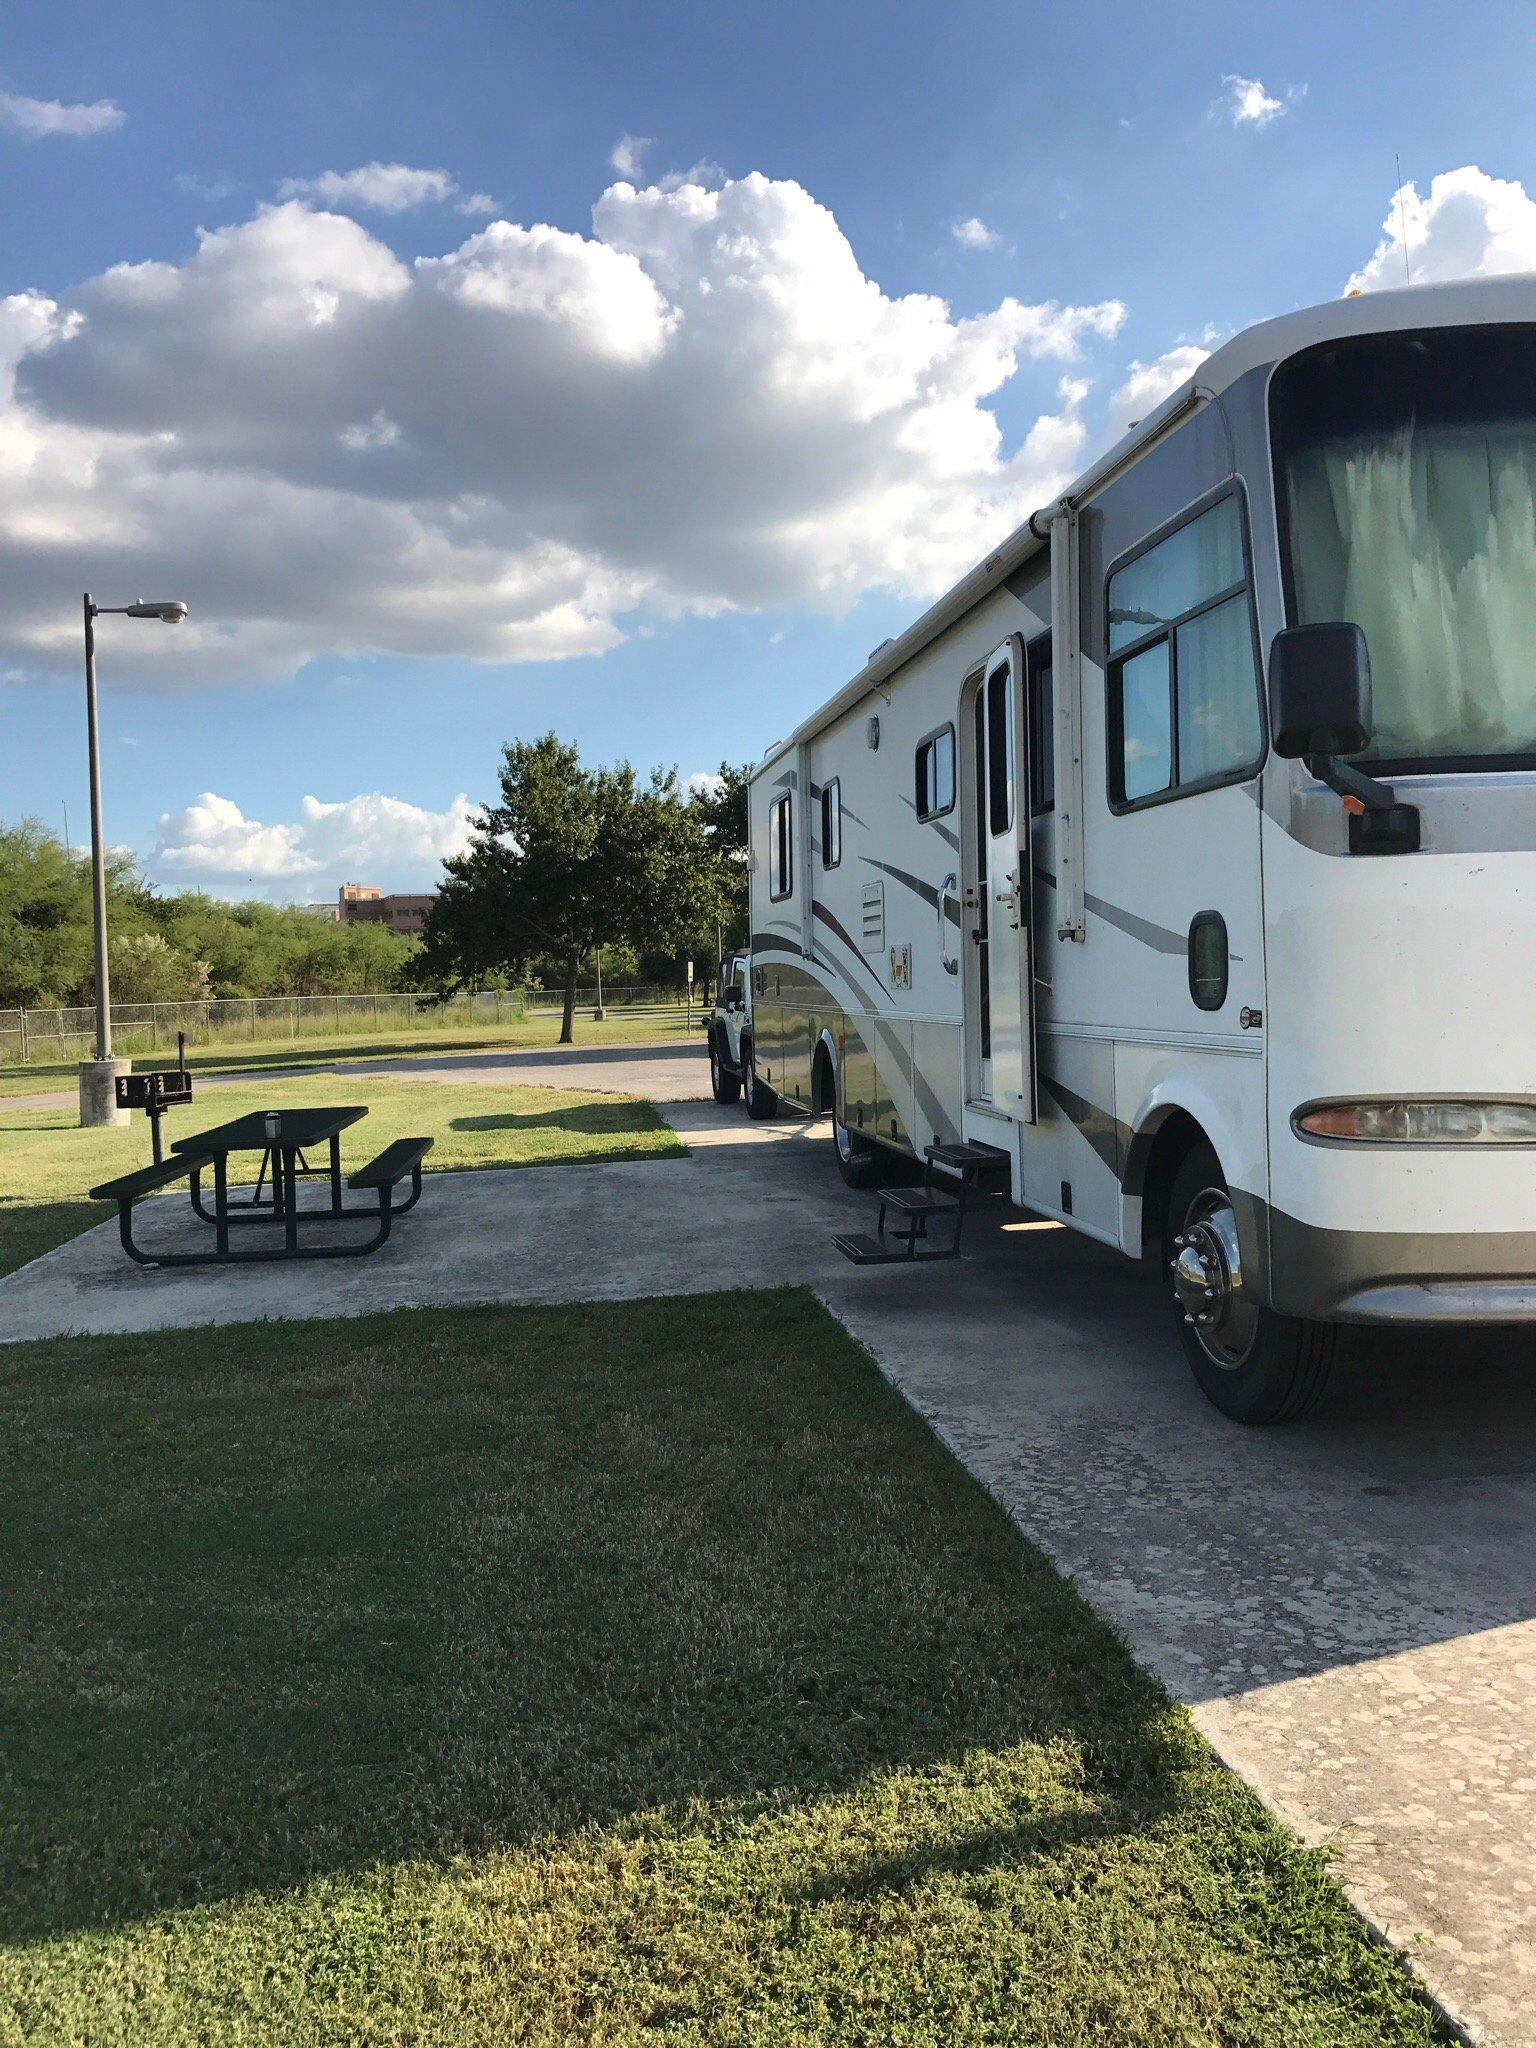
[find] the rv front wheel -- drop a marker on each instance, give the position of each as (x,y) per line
(762,1103)
(1251,1363)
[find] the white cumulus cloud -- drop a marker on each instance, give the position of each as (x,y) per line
(974,234)
(1245,103)
(1147,384)
(372,838)
(627,154)
(386,188)
(38,118)
(1468,224)
(515,450)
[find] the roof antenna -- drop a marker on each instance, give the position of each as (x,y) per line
(1402,217)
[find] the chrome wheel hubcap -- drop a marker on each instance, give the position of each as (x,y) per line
(1208,1280)
(842,1140)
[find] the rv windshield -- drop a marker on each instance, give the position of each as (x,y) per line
(1406,479)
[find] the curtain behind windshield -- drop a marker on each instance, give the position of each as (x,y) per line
(1408,500)
(1428,542)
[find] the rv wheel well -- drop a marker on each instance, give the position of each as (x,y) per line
(823,1082)
(1171,1144)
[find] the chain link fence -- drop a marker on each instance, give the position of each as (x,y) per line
(36,1037)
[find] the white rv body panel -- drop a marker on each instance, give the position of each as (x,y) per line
(1341,978)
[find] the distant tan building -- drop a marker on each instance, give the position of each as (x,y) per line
(358,903)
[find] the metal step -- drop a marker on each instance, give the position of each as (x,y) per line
(864,1250)
(977,1165)
(918,1201)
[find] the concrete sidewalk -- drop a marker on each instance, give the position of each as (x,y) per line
(1347,1605)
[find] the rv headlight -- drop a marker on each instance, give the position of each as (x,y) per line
(1422,1123)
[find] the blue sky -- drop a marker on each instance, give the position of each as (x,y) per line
(449,480)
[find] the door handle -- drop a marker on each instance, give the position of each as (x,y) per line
(1010,898)
(947,888)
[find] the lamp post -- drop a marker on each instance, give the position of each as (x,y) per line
(98,1094)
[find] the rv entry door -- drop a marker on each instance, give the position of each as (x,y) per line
(1003,982)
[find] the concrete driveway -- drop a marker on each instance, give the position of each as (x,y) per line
(1347,1605)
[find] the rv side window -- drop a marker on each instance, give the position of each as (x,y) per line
(935,793)
(999,751)
(781,870)
(1183,672)
(831,823)
(1042,731)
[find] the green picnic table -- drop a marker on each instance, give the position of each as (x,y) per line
(283,1136)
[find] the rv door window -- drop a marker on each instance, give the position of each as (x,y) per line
(999,753)
(1042,731)
(1183,675)
(935,774)
(831,823)
(781,869)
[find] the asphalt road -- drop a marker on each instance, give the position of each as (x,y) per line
(674,1070)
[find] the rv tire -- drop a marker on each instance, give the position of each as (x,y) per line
(724,1085)
(762,1103)
(1253,1364)
(857,1160)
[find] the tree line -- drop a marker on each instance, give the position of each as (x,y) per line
(170,948)
(565,863)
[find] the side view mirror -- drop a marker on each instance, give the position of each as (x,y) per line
(1319,708)
(1319,691)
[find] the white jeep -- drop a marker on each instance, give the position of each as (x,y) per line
(731,1066)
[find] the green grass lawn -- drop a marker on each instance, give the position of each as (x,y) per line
(47,1162)
(611,1674)
(42,1077)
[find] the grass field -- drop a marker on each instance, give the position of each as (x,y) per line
(42,1077)
(613,1674)
(47,1162)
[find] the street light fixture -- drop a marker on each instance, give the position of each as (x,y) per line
(98,1101)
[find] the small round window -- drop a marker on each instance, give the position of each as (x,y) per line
(1208,960)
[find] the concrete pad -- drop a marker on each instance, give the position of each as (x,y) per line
(1348,1606)
(599,1232)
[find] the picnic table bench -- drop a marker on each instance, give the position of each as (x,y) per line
(283,1137)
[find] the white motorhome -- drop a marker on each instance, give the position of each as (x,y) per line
(1076,868)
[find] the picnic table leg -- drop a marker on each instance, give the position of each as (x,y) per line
(336,1176)
(289,1169)
(220,1202)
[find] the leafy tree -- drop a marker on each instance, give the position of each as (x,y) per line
(571,858)
(46,956)
(723,813)
(167,948)
(143,968)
